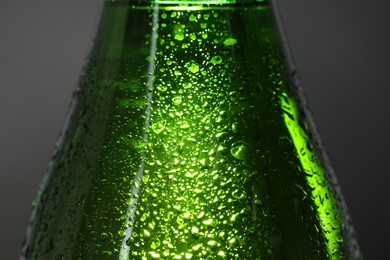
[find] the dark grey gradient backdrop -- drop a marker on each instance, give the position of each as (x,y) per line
(341,49)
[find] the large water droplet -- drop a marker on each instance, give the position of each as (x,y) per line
(230,41)
(178,31)
(159,126)
(162,88)
(192,66)
(138,143)
(155,243)
(240,150)
(216,60)
(192,18)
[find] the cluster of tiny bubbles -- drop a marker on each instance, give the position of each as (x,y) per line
(196,197)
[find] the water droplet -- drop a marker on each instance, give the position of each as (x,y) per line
(177,100)
(154,254)
(196,247)
(137,144)
(191,139)
(187,85)
(234,127)
(240,150)
(159,126)
(208,221)
(179,36)
(103,236)
(178,32)
(234,217)
(230,41)
(216,60)
(212,222)
(238,194)
(221,135)
(128,241)
(187,215)
(203,161)
(192,66)
(130,201)
(212,243)
(206,119)
(197,190)
(162,88)
(155,243)
(194,230)
(146,233)
(138,104)
(193,36)
(201,214)
(185,126)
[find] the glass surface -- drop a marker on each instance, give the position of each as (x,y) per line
(189,140)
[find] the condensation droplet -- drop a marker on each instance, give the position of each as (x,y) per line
(192,66)
(121,233)
(154,254)
(137,144)
(187,85)
(177,100)
(216,60)
(194,230)
(159,126)
(146,233)
(192,18)
(240,150)
(155,243)
(162,88)
(230,41)
(178,31)
(179,36)
(103,236)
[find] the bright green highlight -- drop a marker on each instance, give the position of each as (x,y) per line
(197,193)
(324,200)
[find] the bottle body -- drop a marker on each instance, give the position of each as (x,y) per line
(188,141)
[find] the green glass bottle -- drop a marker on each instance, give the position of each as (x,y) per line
(189,138)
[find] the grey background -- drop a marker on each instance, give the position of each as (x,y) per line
(341,49)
